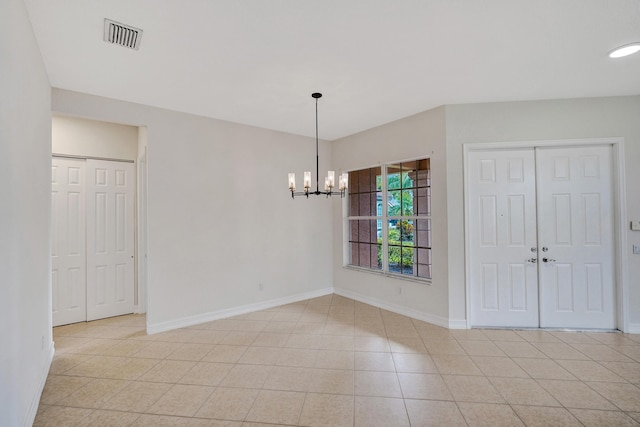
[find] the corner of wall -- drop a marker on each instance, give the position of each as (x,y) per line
(236,311)
(405,311)
(35,402)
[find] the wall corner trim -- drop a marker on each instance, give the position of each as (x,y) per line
(236,311)
(35,402)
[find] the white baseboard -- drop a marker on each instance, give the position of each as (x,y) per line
(415,314)
(35,402)
(236,311)
(634,328)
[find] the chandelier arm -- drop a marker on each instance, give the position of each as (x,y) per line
(340,193)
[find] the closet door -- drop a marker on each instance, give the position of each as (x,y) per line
(68,253)
(502,236)
(575,214)
(110,238)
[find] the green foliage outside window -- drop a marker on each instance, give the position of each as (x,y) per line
(400,252)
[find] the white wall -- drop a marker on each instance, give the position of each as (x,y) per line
(220,218)
(541,120)
(91,138)
(26,346)
(418,136)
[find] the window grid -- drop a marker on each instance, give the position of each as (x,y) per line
(389,220)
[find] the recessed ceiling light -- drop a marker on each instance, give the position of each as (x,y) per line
(626,50)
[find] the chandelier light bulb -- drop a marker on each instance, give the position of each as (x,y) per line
(307,180)
(292,181)
(343,181)
(332,178)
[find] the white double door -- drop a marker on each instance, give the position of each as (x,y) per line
(92,239)
(541,247)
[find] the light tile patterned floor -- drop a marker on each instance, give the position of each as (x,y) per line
(331,361)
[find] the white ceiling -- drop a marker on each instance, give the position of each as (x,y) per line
(258,61)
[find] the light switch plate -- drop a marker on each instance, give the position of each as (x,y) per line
(636,249)
(635,225)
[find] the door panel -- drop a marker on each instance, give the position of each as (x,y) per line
(502,231)
(68,254)
(575,217)
(110,238)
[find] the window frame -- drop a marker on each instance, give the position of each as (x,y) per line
(384,218)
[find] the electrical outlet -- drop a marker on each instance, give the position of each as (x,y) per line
(635,225)
(636,249)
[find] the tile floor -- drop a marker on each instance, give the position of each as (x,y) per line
(331,361)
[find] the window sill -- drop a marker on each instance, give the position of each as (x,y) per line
(390,275)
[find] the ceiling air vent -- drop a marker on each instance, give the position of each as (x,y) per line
(123,35)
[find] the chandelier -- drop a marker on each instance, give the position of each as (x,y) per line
(329,180)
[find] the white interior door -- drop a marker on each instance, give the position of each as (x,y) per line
(554,208)
(110,238)
(575,215)
(502,233)
(68,253)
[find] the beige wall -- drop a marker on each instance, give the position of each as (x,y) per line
(91,138)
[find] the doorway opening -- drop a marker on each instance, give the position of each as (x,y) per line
(97,198)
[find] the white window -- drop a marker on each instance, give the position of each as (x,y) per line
(389,218)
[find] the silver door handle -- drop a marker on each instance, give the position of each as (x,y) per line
(532,260)
(548,260)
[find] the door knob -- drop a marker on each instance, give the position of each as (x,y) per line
(548,260)
(532,260)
